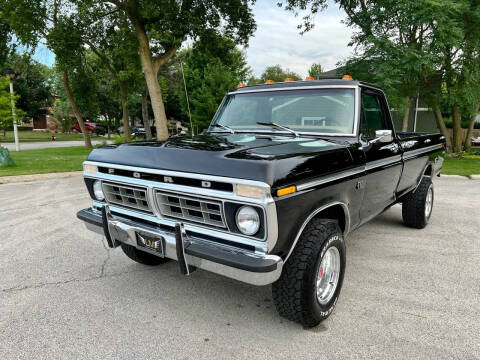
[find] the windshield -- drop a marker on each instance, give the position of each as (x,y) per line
(318,110)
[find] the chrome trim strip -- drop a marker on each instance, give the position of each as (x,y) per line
(312,215)
(283,133)
(236,92)
(382,162)
(267,202)
(331,178)
(175,173)
(412,153)
(356,119)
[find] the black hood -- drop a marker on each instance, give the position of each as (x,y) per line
(276,160)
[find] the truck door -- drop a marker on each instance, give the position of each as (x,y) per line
(383,158)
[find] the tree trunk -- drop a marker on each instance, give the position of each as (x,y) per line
(124,99)
(109,126)
(146,120)
(442,127)
(153,85)
(406,114)
(457,129)
(76,112)
(468,138)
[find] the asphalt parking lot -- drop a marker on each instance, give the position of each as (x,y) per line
(63,295)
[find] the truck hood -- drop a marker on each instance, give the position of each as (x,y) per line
(275,160)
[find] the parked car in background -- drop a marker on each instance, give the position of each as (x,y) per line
(141,133)
(91,127)
(476,141)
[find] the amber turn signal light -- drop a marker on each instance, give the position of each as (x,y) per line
(289,79)
(241,85)
(269,82)
(309,78)
(286,191)
(347,77)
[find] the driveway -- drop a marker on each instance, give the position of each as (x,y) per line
(63,294)
(50,144)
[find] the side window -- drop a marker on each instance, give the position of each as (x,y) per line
(372,116)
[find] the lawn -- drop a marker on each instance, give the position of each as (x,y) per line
(466,165)
(33,136)
(46,161)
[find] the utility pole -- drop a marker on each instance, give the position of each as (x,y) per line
(10,76)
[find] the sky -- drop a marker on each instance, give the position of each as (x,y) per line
(277,40)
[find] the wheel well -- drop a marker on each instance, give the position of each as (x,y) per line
(335,212)
(428,170)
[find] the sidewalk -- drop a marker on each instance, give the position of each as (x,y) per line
(34,177)
(50,144)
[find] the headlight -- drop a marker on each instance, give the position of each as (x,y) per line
(97,190)
(248,221)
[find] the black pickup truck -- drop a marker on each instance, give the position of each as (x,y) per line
(285,172)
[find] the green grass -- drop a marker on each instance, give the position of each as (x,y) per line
(466,165)
(34,136)
(46,161)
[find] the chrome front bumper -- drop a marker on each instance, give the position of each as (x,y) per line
(236,263)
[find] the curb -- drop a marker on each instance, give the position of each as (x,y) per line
(35,177)
(472,177)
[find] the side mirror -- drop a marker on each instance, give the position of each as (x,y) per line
(383,136)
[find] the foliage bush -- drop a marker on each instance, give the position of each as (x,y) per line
(465,123)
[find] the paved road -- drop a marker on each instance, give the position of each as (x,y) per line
(407,293)
(49,144)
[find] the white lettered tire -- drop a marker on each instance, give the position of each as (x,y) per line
(312,277)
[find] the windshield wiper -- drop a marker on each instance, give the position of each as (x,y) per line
(224,127)
(271,124)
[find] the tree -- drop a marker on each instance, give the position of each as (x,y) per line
(5,39)
(31,21)
(6,118)
(278,74)
(315,70)
(213,66)
(162,26)
(406,43)
(32,84)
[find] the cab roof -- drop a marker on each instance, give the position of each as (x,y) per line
(302,84)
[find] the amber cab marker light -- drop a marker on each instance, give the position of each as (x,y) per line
(269,82)
(241,85)
(347,77)
(309,78)
(289,79)
(286,191)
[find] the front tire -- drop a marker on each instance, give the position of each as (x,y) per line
(417,206)
(312,277)
(142,257)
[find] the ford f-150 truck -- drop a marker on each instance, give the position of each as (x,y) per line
(267,196)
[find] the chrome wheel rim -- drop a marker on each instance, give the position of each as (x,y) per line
(429,202)
(328,275)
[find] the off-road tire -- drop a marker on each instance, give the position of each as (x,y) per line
(294,294)
(413,206)
(142,257)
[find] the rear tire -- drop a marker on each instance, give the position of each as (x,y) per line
(142,257)
(307,290)
(417,206)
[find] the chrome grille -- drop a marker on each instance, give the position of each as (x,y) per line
(127,196)
(190,208)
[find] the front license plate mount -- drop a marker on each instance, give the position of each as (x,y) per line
(151,242)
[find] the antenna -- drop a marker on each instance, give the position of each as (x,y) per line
(186,94)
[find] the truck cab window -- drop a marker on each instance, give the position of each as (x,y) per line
(372,116)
